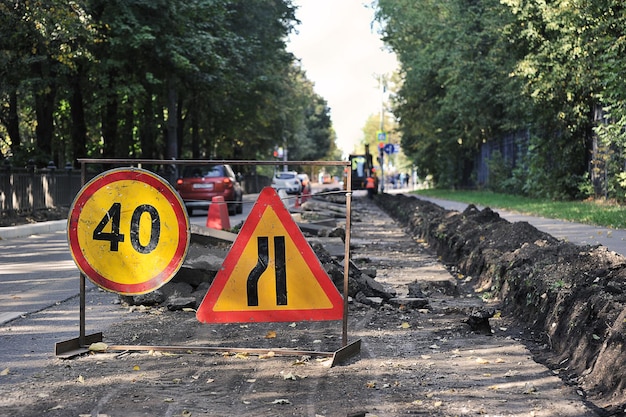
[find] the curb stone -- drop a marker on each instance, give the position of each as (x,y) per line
(12,232)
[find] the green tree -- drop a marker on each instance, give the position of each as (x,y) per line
(456,91)
(475,70)
(155,79)
(41,43)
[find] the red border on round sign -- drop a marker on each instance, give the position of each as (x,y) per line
(151,179)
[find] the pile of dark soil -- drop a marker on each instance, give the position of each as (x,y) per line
(570,297)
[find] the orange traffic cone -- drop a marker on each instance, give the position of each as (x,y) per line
(217,217)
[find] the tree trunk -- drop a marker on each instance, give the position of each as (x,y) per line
(78,129)
(125,148)
(171,149)
(147,132)
(195,134)
(598,160)
(13,123)
(44,109)
(180,127)
(109,126)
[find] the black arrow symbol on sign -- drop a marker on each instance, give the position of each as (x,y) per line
(252,284)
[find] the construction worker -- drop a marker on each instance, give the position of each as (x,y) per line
(370,185)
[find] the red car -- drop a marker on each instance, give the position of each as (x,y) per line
(198,184)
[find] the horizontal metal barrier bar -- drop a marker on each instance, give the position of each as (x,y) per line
(206,161)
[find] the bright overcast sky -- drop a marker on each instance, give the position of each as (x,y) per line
(342,54)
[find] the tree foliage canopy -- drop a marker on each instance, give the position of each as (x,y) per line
(475,71)
(154,79)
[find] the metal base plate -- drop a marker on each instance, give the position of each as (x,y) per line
(73,347)
(346,352)
(338,356)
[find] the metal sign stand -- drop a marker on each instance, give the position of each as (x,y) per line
(74,347)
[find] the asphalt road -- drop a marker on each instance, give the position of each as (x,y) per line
(39,296)
(37,271)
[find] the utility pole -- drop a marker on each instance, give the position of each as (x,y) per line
(382,84)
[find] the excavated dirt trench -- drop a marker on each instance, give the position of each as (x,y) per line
(570,297)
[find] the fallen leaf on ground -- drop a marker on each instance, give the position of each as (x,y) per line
(289,376)
(529,388)
(270,335)
(281,401)
(98,347)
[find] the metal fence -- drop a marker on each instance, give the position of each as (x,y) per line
(511,148)
(31,191)
(24,191)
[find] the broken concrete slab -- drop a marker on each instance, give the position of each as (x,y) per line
(333,245)
(410,302)
(203,234)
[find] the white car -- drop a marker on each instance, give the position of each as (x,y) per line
(288,181)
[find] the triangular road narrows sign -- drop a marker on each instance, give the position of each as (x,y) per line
(271,273)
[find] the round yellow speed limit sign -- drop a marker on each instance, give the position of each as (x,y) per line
(128,231)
